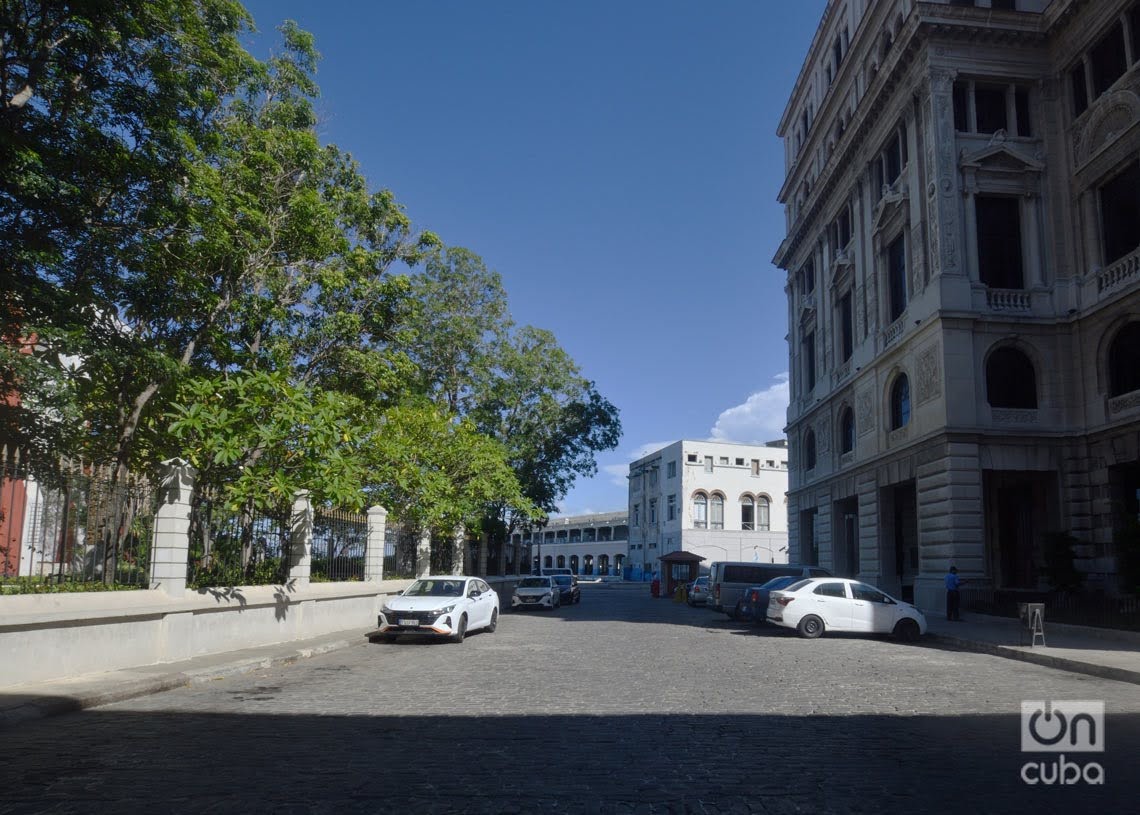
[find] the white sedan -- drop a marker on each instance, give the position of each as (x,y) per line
(444,606)
(821,604)
(539,591)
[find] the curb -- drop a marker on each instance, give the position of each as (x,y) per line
(1048,660)
(124,689)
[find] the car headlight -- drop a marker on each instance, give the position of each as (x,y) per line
(387,612)
(439,612)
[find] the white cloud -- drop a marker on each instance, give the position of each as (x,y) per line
(761,418)
(618,473)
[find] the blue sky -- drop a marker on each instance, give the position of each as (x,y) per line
(616,162)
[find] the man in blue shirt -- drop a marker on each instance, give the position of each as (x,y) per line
(953,598)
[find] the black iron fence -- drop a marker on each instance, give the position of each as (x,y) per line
(236,546)
(1077,608)
(340,539)
(73,526)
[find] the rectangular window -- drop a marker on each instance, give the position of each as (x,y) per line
(763,513)
(896,278)
(807,278)
(716,514)
(671,469)
(999,242)
(652,510)
(653,477)
(989,108)
(692,458)
(671,508)
(961,107)
(892,160)
(756,466)
(708,464)
(747,515)
(1108,59)
(740,462)
(700,510)
(843,228)
(1080,90)
(1003,5)
(846,327)
(809,362)
(1120,213)
(724,459)
(637,514)
(1021,108)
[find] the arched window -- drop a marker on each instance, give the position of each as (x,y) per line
(700,511)
(900,402)
(716,514)
(846,430)
(1124,361)
(747,513)
(809,450)
(588,564)
(1010,380)
(562,561)
(603,564)
(548,561)
(574,564)
(763,513)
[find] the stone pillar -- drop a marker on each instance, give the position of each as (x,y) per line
(458,550)
(423,554)
(171,550)
(301,539)
(374,548)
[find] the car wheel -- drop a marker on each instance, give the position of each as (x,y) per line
(461,631)
(491,626)
(907,630)
(810,627)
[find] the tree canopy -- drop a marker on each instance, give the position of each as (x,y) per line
(194,273)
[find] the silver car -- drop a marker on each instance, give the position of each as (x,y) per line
(698,592)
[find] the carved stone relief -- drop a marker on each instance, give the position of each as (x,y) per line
(865,412)
(823,434)
(929,373)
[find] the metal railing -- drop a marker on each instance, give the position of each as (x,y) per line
(236,547)
(340,539)
(72,526)
(1077,608)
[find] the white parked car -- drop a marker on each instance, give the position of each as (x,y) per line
(445,606)
(537,591)
(821,604)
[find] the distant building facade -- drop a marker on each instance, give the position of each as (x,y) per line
(962,199)
(593,545)
(719,500)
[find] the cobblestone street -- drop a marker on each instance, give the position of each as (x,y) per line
(619,704)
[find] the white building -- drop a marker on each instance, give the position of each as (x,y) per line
(963,275)
(596,544)
(715,499)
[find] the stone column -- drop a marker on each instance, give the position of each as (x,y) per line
(502,570)
(301,540)
(171,550)
(374,548)
(458,550)
(423,554)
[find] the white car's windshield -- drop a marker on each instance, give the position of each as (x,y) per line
(435,588)
(534,583)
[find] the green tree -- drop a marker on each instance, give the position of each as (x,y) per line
(102,106)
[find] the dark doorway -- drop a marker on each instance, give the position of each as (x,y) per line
(899,539)
(846,526)
(1020,507)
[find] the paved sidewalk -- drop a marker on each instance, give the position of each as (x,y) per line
(1106,653)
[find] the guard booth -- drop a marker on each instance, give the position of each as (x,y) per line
(678,569)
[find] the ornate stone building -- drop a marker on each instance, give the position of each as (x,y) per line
(963,216)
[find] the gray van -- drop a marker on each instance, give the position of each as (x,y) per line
(729,579)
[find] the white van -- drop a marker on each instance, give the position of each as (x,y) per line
(729,579)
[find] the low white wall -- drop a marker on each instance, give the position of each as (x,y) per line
(55,636)
(52,636)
